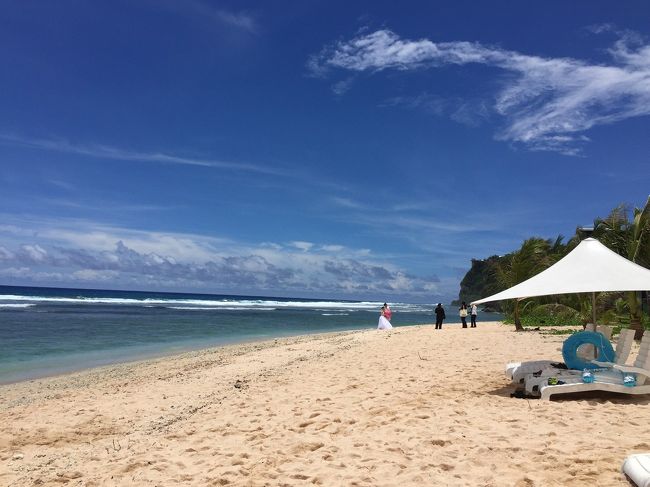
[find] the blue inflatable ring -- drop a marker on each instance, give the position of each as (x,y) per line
(604,350)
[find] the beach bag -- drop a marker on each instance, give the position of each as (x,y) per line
(463,313)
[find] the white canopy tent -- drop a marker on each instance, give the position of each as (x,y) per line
(589,268)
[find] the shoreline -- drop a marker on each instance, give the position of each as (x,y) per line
(411,405)
(160,351)
(138,360)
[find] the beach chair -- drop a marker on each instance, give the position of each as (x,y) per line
(532,382)
(611,380)
(517,371)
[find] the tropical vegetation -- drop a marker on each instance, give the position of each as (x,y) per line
(624,230)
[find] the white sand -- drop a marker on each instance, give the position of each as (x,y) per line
(412,406)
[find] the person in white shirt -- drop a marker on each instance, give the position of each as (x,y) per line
(462,311)
(474,313)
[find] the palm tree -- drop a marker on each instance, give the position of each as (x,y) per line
(533,257)
(631,239)
(640,249)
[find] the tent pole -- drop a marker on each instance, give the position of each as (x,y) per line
(593,307)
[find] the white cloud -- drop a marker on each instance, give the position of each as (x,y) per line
(94,276)
(99,237)
(342,87)
(549,102)
(16,272)
(304,246)
(69,252)
(5,254)
(34,252)
(326,248)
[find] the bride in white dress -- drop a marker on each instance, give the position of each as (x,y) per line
(384,324)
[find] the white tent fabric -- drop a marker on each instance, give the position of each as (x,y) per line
(590,267)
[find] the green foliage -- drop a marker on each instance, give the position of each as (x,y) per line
(624,231)
(549,315)
(552,315)
(561,331)
(628,234)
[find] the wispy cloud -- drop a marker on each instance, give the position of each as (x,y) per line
(109,152)
(347,203)
(467,112)
(61,184)
(105,206)
(547,105)
(342,87)
(240,20)
(430,233)
(413,216)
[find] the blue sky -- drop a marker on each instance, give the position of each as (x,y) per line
(361,150)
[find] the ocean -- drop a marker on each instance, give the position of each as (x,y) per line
(48,331)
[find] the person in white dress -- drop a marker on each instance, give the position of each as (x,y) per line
(384,324)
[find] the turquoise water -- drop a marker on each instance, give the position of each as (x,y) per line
(46,331)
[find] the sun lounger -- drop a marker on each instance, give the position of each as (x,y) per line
(623,347)
(517,371)
(610,380)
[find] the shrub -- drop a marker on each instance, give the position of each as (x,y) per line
(551,315)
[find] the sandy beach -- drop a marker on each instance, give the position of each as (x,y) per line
(412,406)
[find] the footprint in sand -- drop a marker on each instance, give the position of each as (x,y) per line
(299,476)
(525,482)
(440,442)
(584,460)
(304,447)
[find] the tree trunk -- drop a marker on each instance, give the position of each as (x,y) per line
(635,314)
(518,326)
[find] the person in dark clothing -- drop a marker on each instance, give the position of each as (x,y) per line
(440,315)
(462,311)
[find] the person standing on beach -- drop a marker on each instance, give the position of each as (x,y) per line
(383,324)
(474,313)
(387,312)
(462,311)
(440,315)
